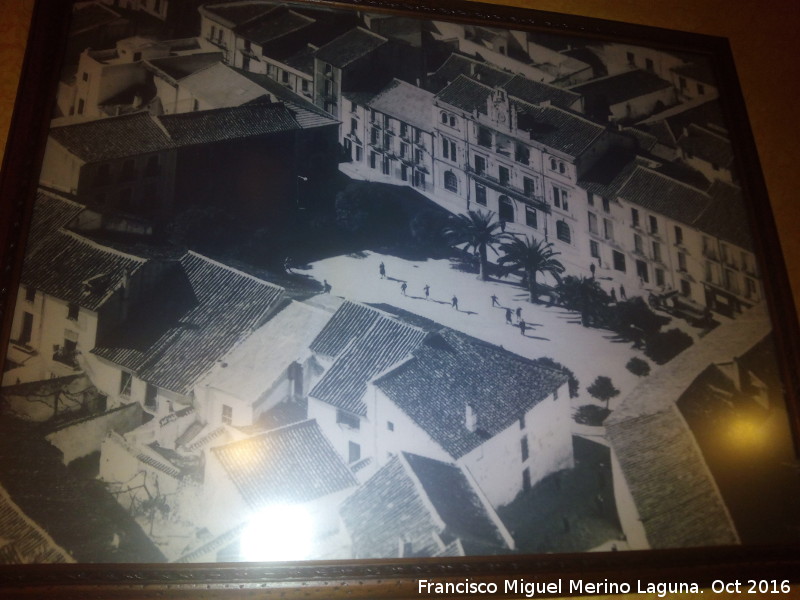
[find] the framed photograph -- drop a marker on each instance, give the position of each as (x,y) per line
(388,299)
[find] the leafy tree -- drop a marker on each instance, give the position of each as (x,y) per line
(479,232)
(584,295)
(531,257)
(639,367)
(603,389)
(663,346)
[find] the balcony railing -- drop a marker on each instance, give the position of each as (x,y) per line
(505,187)
(66,356)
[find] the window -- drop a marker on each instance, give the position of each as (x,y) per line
(150,396)
(285,79)
(681,261)
(359,153)
(403,149)
(506,208)
(125,383)
(418,136)
(353,126)
(631,57)
(561,167)
(592,223)
(531,219)
(448,149)
(484,137)
(389,425)
(606,205)
(328,87)
(444,118)
(85,76)
(385,165)
(648,64)
(353,452)
(30,294)
(480,194)
(619,261)
(403,130)
(701,89)
(522,422)
(387,121)
(526,479)
(638,246)
(524,448)
(227,414)
(81,105)
(660,277)
(450,182)
(562,232)
(653,224)
(522,154)
(590,198)
(529,186)
(328,69)
(608,229)
(634,217)
(594,249)
(73,310)
(480,165)
(404,172)
(560,198)
(503,175)
(387,141)
(373,136)
(27,328)
(641,271)
(348,420)
(372,160)
(678,235)
(418,155)
(656,252)
(372,116)
(686,288)
(453,121)
(553,164)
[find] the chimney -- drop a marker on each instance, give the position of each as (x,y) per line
(471,418)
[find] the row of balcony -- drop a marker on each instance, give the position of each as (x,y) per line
(504,186)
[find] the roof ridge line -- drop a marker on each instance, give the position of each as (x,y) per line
(232,269)
(417,482)
(97,245)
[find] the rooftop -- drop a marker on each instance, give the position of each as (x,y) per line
(175,68)
(253,367)
(197,314)
(458,64)
(349,47)
(428,504)
(371,352)
(405,102)
(449,371)
(625,86)
(726,216)
(707,145)
(350,321)
(664,195)
(293,464)
(235,14)
(700,71)
(535,92)
(273,25)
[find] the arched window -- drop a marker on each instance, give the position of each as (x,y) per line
(444,117)
(506,208)
(553,164)
(450,182)
(562,232)
(561,167)
(453,121)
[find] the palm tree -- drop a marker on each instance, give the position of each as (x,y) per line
(531,257)
(478,232)
(585,295)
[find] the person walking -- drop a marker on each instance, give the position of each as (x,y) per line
(494,300)
(622,293)
(326,287)
(454,302)
(427,290)
(382,270)
(519,313)
(508,316)
(522,326)
(403,288)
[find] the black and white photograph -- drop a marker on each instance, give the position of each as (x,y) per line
(306,283)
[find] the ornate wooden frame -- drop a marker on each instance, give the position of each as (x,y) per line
(397,578)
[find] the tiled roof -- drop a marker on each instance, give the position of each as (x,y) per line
(220,86)
(726,216)
(109,139)
(406,102)
(197,314)
(238,13)
(448,371)
(707,145)
(175,68)
(664,195)
(556,128)
(208,126)
(273,25)
(705,114)
(659,130)
(423,502)
(350,321)
(350,46)
(90,16)
(644,140)
(87,273)
(290,465)
(302,60)
(24,541)
(701,71)
(466,94)
(141,133)
(610,173)
(457,64)
(384,344)
(535,92)
(305,112)
(625,86)
(676,497)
